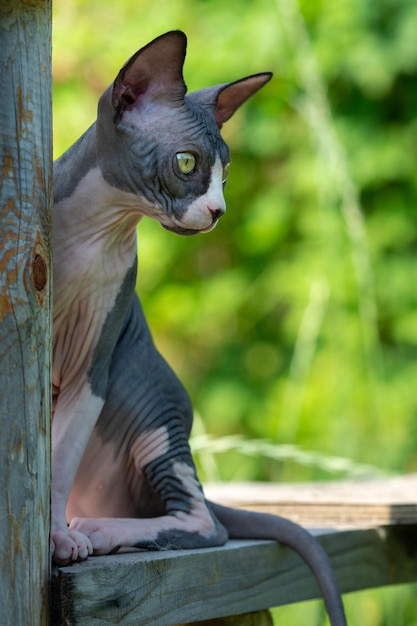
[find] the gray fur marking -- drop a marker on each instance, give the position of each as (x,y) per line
(99,371)
(70,170)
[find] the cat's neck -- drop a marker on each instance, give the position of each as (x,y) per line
(87,209)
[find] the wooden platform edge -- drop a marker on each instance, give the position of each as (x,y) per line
(176,587)
(336,504)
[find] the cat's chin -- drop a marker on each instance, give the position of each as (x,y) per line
(188,231)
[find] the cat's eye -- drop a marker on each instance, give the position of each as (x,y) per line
(225,173)
(186,162)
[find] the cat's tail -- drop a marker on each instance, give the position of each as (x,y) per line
(251,525)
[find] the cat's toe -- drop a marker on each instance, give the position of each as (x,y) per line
(104,534)
(69,546)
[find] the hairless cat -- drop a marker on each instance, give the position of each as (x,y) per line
(122,470)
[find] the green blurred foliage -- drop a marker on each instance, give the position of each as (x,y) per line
(294,321)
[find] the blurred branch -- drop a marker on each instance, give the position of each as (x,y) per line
(303,355)
(336,184)
(261,447)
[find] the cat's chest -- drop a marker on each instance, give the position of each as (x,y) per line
(95,252)
(88,314)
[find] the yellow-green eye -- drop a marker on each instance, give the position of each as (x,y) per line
(186,162)
(225,173)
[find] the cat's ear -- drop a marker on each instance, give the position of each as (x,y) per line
(153,73)
(233,95)
(223,100)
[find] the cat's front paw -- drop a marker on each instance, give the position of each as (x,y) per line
(105,534)
(69,546)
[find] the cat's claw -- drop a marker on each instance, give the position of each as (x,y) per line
(69,546)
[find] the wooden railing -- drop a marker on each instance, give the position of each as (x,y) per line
(369,530)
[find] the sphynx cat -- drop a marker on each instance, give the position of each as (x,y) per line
(122,470)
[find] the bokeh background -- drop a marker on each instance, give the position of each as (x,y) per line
(293,324)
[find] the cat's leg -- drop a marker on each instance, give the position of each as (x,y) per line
(185,520)
(76,411)
(140,452)
(188,524)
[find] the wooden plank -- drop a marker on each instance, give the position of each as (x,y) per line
(25,388)
(162,588)
(260,618)
(335,504)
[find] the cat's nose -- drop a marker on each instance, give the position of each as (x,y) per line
(216,213)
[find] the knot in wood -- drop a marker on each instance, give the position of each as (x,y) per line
(39,272)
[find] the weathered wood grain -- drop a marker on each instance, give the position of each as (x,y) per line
(165,588)
(25,195)
(333,504)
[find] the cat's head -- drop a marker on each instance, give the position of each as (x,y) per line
(163,145)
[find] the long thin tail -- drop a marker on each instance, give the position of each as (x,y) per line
(250,525)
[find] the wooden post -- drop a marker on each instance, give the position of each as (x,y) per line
(25,320)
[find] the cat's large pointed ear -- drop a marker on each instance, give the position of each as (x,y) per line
(154,73)
(223,100)
(233,95)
